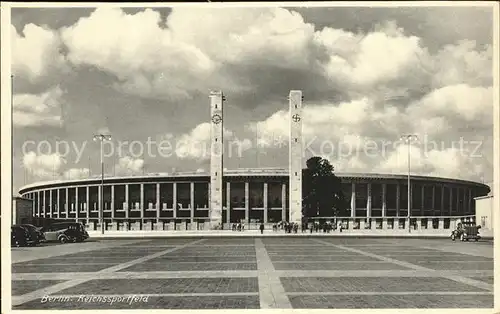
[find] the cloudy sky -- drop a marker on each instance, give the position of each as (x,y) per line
(368,76)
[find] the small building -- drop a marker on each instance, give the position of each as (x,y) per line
(22,210)
(484,211)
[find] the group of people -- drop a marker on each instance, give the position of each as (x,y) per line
(238,226)
(293,227)
(325,227)
(289,227)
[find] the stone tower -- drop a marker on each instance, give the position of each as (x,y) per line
(216,159)
(295,156)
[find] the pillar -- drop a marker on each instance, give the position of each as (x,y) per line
(228,202)
(174,203)
(126,200)
(33,204)
(112,203)
(433,199)
(141,204)
(451,200)
(353,200)
(158,208)
(100,203)
(440,224)
(469,203)
(441,211)
(295,156)
(283,202)
(265,201)
(87,202)
(50,203)
(191,211)
(247,201)
(58,202)
(384,199)
(398,199)
(77,204)
(67,203)
(369,201)
(39,205)
(216,157)
(422,203)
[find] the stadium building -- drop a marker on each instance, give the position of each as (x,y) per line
(249,195)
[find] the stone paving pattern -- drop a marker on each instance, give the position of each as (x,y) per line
(252,273)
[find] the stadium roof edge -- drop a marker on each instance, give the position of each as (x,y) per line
(247,172)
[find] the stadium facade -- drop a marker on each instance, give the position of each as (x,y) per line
(148,202)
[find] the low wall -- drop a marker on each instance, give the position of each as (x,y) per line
(485,234)
(429,225)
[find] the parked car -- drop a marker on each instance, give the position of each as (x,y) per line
(20,236)
(466,232)
(66,232)
(40,236)
(33,232)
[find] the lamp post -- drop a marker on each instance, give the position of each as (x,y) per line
(102,138)
(408,139)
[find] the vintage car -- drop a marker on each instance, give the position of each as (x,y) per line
(64,232)
(466,232)
(20,236)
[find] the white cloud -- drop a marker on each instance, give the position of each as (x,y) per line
(188,55)
(467,102)
(196,144)
(236,147)
(36,52)
(245,35)
(76,173)
(50,167)
(343,122)
(43,166)
(129,166)
(361,61)
(203,48)
(463,63)
(147,59)
(450,162)
(38,109)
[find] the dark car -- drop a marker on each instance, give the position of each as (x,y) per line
(66,232)
(33,232)
(40,236)
(20,236)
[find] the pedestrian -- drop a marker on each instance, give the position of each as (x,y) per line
(261,228)
(243,227)
(311,228)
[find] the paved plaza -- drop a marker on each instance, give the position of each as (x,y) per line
(254,272)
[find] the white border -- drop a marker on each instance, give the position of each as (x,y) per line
(6,128)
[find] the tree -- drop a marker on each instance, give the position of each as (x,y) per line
(322,190)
